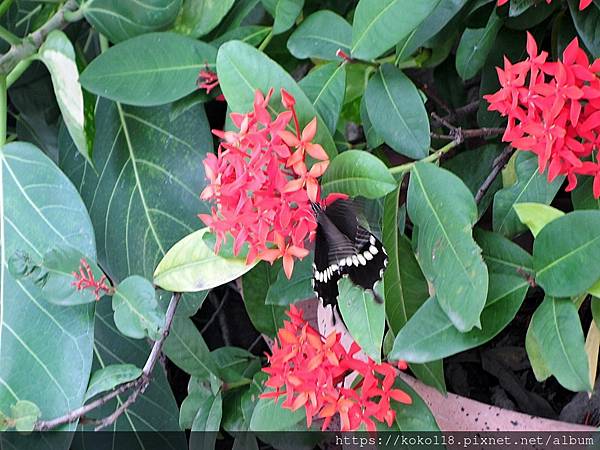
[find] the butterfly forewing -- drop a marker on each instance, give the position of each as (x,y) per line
(344,247)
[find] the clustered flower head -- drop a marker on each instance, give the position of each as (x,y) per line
(84,279)
(308,371)
(582,3)
(553,110)
(260,183)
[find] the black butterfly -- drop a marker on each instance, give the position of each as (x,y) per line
(344,247)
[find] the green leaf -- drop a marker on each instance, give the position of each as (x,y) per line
(135,307)
(380,24)
(144,197)
(58,55)
(404,285)
(109,377)
(414,417)
(128,73)
(441,16)
(25,414)
(207,421)
(185,346)
(269,415)
(534,353)
(363,316)
(191,266)
(284,292)
(284,12)
(444,211)
(583,196)
(325,87)
(586,23)
(556,328)
(475,46)
(536,215)
(397,112)
(199,17)
(41,209)
(256,284)
(563,252)
(250,34)
(242,70)
(60,263)
(429,335)
(356,172)
(320,36)
(531,186)
(373,138)
(120,20)
(236,366)
(501,255)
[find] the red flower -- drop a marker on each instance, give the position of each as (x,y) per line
(261,188)
(208,80)
(308,370)
(582,3)
(84,279)
(553,110)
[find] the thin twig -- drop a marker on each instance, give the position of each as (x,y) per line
(461,134)
(139,384)
(217,307)
(497,166)
(33,41)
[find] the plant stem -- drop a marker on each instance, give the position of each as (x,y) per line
(18,71)
(8,36)
(3,110)
(266,41)
(32,42)
(432,157)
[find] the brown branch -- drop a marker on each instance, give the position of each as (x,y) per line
(33,41)
(139,385)
(497,166)
(460,134)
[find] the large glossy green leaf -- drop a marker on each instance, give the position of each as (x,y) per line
(284,12)
(374,140)
(128,73)
(474,47)
(531,186)
(250,34)
(536,215)
(503,256)
(380,24)
(397,112)
(557,330)
(430,335)
(256,284)
(58,55)
(185,346)
(120,20)
(586,23)
(111,376)
(404,285)
(199,17)
(39,341)
(144,197)
(268,415)
(444,211)
(363,316)
(320,36)
(191,266)
(325,87)
(564,254)
(242,70)
(441,15)
(356,172)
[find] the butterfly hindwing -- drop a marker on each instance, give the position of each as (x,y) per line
(344,247)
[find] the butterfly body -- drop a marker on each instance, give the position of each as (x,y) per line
(344,248)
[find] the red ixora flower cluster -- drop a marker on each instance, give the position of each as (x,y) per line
(260,183)
(553,110)
(311,370)
(582,3)
(84,279)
